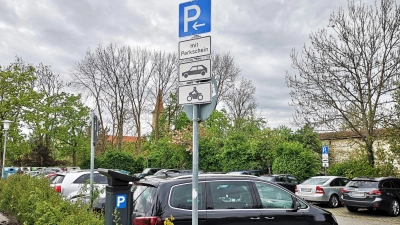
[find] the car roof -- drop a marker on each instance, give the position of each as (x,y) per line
(374,178)
(201,177)
(327,177)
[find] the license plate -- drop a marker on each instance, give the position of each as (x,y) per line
(357,194)
(305,189)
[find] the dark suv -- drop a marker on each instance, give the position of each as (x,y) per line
(381,193)
(222,199)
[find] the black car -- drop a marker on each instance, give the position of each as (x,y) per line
(200,69)
(222,199)
(381,193)
(286,180)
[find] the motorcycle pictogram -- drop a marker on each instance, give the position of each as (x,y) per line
(194,95)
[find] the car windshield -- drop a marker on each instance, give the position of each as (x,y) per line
(268,178)
(363,184)
(316,180)
(147,170)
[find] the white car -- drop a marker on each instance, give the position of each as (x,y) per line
(76,184)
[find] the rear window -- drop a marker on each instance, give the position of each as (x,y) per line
(58,180)
(363,184)
(316,180)
(143,198)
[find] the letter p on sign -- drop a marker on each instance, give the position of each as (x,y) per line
(121,201)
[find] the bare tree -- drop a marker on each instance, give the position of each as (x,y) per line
(164,81)
(346,77)
(240,99)
(139,70)
(112,66)
(225,72)
(87,79)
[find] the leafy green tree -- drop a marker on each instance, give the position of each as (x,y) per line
(17,98)
(293,158)
(117,160)
(309,138)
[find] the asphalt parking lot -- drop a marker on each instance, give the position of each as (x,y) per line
(363,216)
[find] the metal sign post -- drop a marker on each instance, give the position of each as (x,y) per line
(195,187)
(195,18)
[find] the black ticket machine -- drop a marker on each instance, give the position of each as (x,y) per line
(118,205)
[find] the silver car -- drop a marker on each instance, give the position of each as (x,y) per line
(322,190)
(75,184)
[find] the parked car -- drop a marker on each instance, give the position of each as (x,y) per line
(248,172)
(322,190)
(165,173)
(75,184)
(222,199)
(381,193)
(147,172)
(286,180)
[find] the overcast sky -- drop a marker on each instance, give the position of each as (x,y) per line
(259,34)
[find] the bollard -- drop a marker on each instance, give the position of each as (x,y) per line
(118,206)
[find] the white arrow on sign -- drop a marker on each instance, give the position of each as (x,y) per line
(195,25)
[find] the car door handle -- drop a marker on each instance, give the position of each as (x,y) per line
(254,218)
(269,218)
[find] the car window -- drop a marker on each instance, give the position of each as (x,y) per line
(335,182)
(231,195)
(293,180)
(99,179)
(316,180)
(147,170)
(82,179)
(181,196)
(268,178)
(363,184)
(386,184)
(273,197)
(143,198)
(282,178)
(395,183)
(343,181)
(58,180)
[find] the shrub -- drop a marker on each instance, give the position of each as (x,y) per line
(32,201)
(352,168)
(293,159)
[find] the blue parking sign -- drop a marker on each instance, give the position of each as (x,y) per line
(194,17)
(325,149)
(120,201)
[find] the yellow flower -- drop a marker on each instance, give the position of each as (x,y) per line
(168,221)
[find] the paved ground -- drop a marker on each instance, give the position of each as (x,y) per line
(363,217)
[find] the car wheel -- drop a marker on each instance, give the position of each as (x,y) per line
(203,72)
(352,209)
(394,208)
(333,201)
(185,75)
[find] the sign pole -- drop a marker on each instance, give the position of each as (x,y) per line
(195,164)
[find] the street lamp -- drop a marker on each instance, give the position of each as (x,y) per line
(6,127)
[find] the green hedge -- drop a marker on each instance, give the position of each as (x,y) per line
(32,201)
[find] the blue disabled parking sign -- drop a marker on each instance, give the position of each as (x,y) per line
(120,201)
(194,17)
